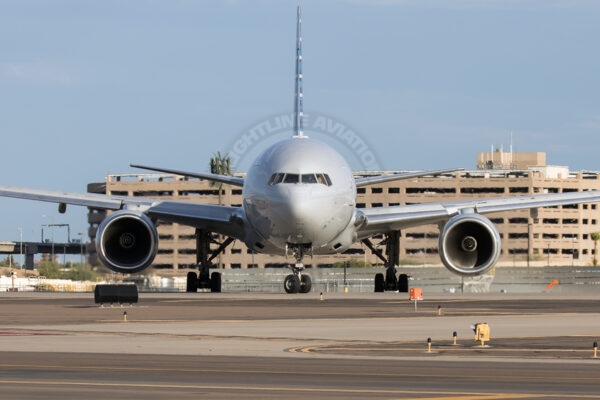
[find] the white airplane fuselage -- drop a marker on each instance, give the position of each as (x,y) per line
(300,192)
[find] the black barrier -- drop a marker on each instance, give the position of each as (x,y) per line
(116,294)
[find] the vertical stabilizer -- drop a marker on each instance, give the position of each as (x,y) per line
(298,101)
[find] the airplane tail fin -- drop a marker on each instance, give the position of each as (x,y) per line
(298,101)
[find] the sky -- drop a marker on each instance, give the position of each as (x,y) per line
(87,87)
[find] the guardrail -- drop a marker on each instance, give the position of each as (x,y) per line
(432,279)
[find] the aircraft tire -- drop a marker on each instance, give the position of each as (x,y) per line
(291,284)
(215,282)
(305,284)
(403,283)
(191,282)
(379,283)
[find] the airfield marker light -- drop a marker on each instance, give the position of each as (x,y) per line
(595,349)
(454,336)
(429,345)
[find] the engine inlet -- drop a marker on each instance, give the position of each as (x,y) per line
(127,240)
(469,244)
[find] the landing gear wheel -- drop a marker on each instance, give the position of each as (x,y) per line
(291,284)
(403,283)
(305,284)
(379,283)
(192,282)
(215,282)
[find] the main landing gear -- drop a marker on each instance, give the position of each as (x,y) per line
(204,256)
(391,259)
(296,282)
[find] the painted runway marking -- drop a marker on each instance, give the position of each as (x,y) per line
(28,333)
(438,395)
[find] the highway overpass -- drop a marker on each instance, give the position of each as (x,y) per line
(30,249)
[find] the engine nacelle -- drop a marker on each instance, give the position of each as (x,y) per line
(469,244)
(127,241)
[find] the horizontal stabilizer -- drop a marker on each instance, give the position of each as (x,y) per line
(232,180)
(371,180)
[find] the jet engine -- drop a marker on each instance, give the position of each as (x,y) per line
(469,244)
(126,241)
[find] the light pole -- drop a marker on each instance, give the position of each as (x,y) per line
(21,246)
(81,246)
(60,226)
(52,225)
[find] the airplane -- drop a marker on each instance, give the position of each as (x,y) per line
(298,199)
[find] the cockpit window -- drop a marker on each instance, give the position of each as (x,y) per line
(309,178)
(324,179)
(280,177)
(291,178)
(276,178)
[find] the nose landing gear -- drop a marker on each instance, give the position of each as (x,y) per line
(297,282)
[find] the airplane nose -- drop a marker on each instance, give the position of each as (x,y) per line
(297,208)
(300,213)
(294,205)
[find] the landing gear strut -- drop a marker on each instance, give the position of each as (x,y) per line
(296,282)
(204,257)
(391,259)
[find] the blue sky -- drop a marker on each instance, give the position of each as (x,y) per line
(88,87)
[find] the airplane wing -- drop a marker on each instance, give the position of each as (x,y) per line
(384,219)
(371,180)
(225,220)
(94,200)
(232,180)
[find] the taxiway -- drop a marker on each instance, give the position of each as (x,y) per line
(280,346)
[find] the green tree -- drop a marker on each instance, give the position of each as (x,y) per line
(222,166)
(595,236)
(50,270)
(80,272)
(74,272)
(9,262)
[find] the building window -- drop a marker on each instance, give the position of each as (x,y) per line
(519,190)
(550,221)
(518,221)
(478,190)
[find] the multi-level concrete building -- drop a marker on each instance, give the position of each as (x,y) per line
(559,235)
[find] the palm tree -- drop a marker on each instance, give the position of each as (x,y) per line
(595,236)
(222,166)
